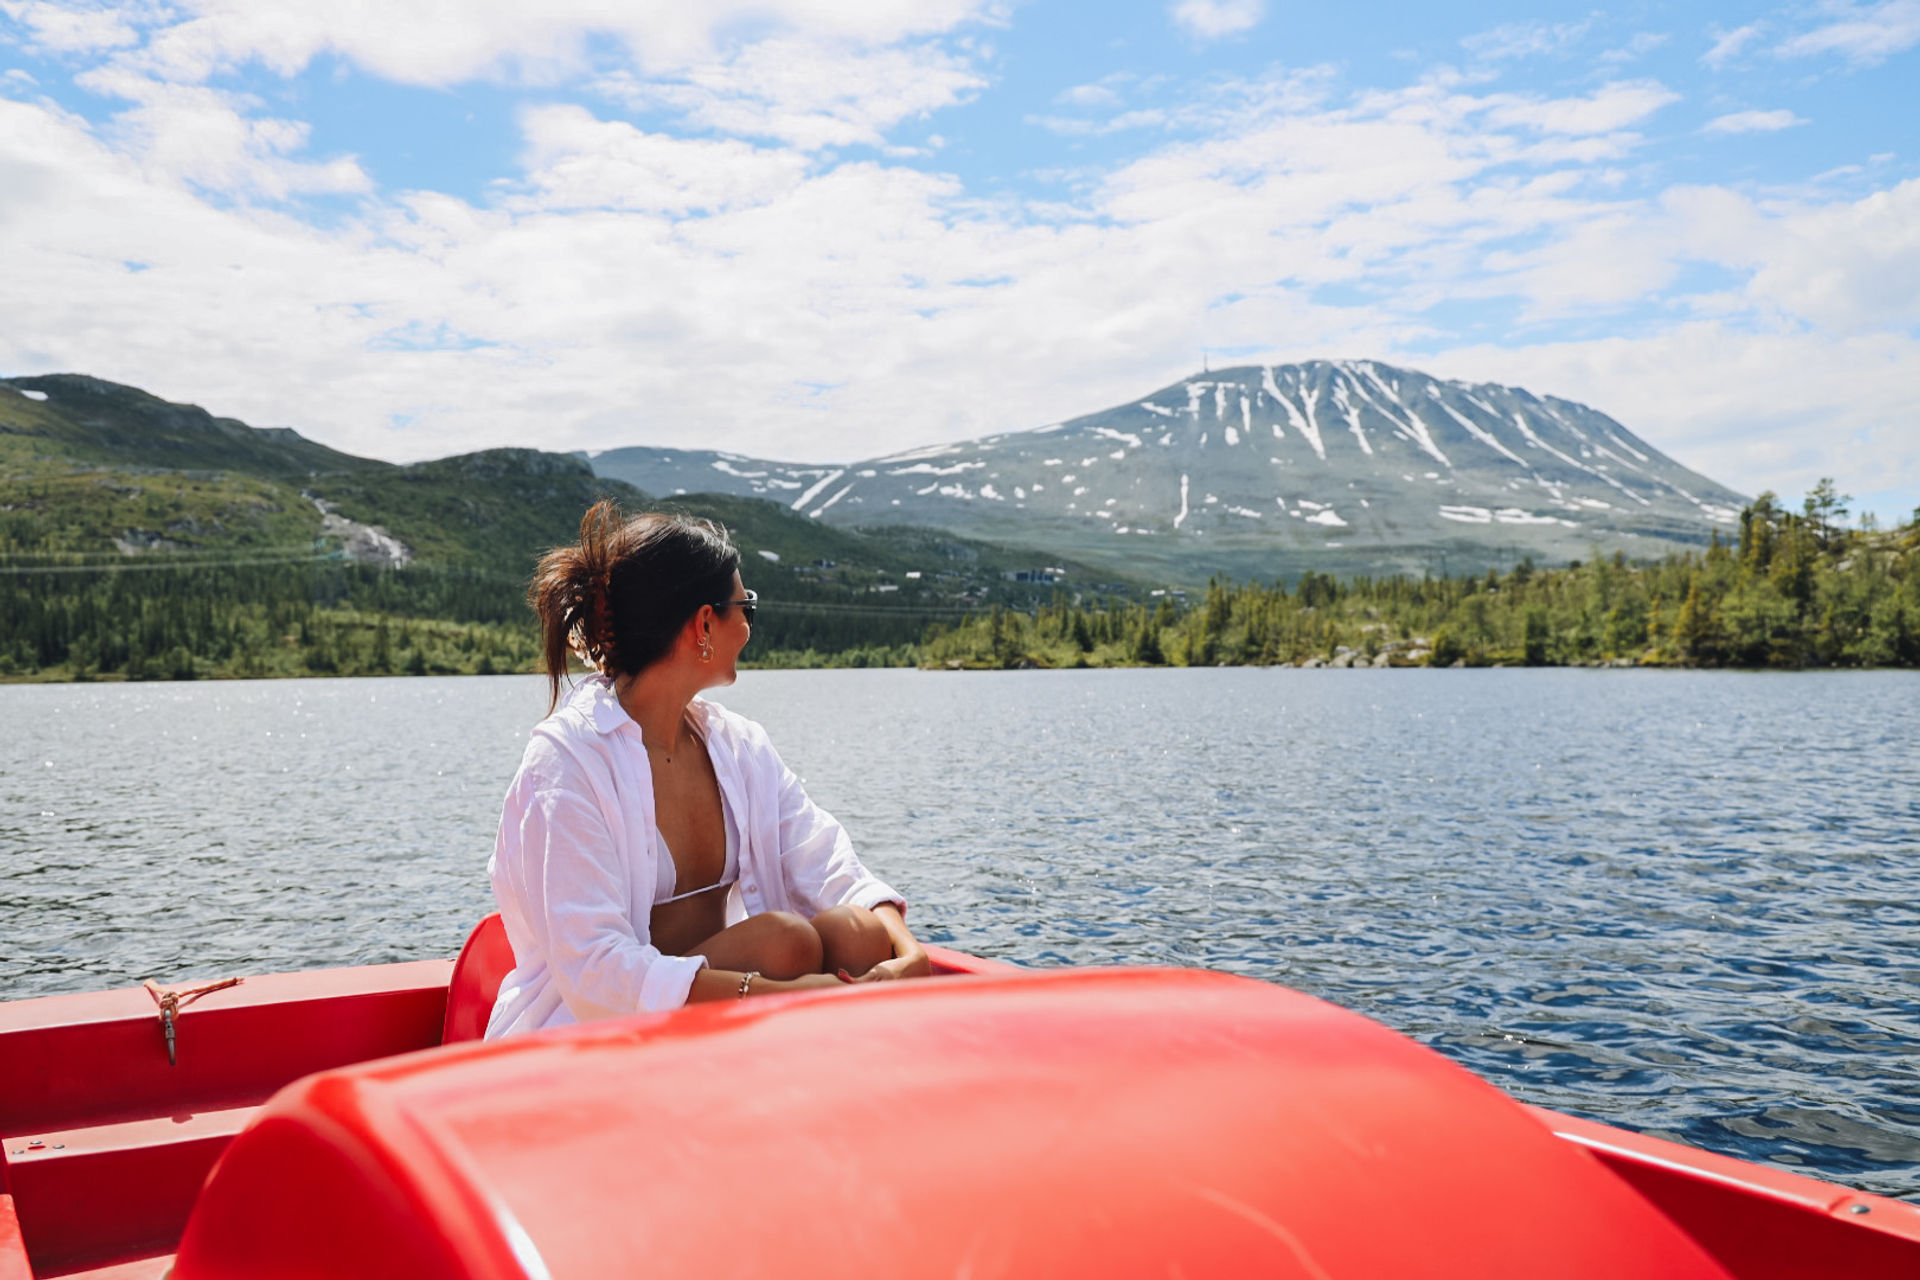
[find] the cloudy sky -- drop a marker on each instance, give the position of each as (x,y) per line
(824,229)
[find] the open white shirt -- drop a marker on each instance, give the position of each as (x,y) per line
(577,861)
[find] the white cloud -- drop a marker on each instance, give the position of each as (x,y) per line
(1753,410)
(575,161)
(1753,122)
(1212,19)
(1611,258)
(1610,108)
(66,28)
(1727,45)
(422,42)
(1642,43)
(1089,95)
(1121,122)
(1526,39)
(206,137)
(806,92)
(816,73)
(1862,34)
(627,284)
(1844,267)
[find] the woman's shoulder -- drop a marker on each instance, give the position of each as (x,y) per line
(731,727)
(564,745)
(551,763)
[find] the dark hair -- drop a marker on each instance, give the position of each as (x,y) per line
(621,595)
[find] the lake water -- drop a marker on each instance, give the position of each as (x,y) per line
(1686,903)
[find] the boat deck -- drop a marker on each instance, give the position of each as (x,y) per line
(106,1147)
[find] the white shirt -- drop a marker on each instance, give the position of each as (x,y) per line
(577,863)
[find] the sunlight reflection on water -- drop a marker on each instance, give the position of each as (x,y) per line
(1680,902)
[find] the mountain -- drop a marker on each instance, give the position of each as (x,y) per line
(1266,471)
(73,416)
(95,476)
(1350,467)
(676,471)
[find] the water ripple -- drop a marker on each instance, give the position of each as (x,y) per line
(1685,903)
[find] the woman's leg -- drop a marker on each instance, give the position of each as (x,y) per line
(779,944)
(851,938)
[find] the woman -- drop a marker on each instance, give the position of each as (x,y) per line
(654,850)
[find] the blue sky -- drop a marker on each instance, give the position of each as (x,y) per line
(823,229)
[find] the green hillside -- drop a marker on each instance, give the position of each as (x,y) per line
(497,509)
(142,538)
(145,540)
(90,420)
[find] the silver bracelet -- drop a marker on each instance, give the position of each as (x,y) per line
(746,981)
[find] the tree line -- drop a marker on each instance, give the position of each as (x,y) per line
(167,618)
(1789,589)
(150,619)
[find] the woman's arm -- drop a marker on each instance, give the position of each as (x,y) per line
(728,981)
(817,860)
(557,872)
(724,984)
(909,957)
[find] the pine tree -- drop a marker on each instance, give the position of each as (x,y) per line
(1080,633)
(1696,631)
(1146,645)
(382,657)
(1537,634)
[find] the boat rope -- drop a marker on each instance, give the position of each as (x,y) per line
(171,1002)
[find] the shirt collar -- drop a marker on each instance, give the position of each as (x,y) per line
(594,698)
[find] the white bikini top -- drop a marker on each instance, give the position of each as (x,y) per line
(729,871)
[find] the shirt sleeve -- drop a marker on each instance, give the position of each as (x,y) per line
(817,858)
(578,904)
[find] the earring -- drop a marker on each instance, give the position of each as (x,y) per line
(706,650)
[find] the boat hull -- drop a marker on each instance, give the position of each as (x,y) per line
(109,1151)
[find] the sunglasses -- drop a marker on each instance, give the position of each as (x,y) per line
(746,606)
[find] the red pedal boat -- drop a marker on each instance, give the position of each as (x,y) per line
(992,1123)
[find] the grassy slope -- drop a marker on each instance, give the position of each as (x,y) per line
(89,420)
(88,467)
(97,460)
(497,509)
(97,478)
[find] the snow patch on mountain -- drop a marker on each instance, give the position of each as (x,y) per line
(809,495)
(1427,460)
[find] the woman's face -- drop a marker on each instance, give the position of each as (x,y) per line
(730,634)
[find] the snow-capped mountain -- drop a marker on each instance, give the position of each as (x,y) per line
(670,471)
(1263,470)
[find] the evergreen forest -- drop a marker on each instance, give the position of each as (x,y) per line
(1792,589)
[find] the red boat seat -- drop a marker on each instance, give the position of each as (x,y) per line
(1082,1123)
(484,963)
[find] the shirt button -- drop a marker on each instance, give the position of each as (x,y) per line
(750,888)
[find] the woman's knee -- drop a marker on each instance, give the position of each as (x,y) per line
(789,945)
(851,938)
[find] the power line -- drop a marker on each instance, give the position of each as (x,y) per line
(183,563)
(160,564)
(901,610)
(186,562)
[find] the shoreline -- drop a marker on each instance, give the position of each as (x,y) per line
(120,678)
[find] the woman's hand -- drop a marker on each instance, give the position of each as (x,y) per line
(805,982)
(909,957)
(913,965)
